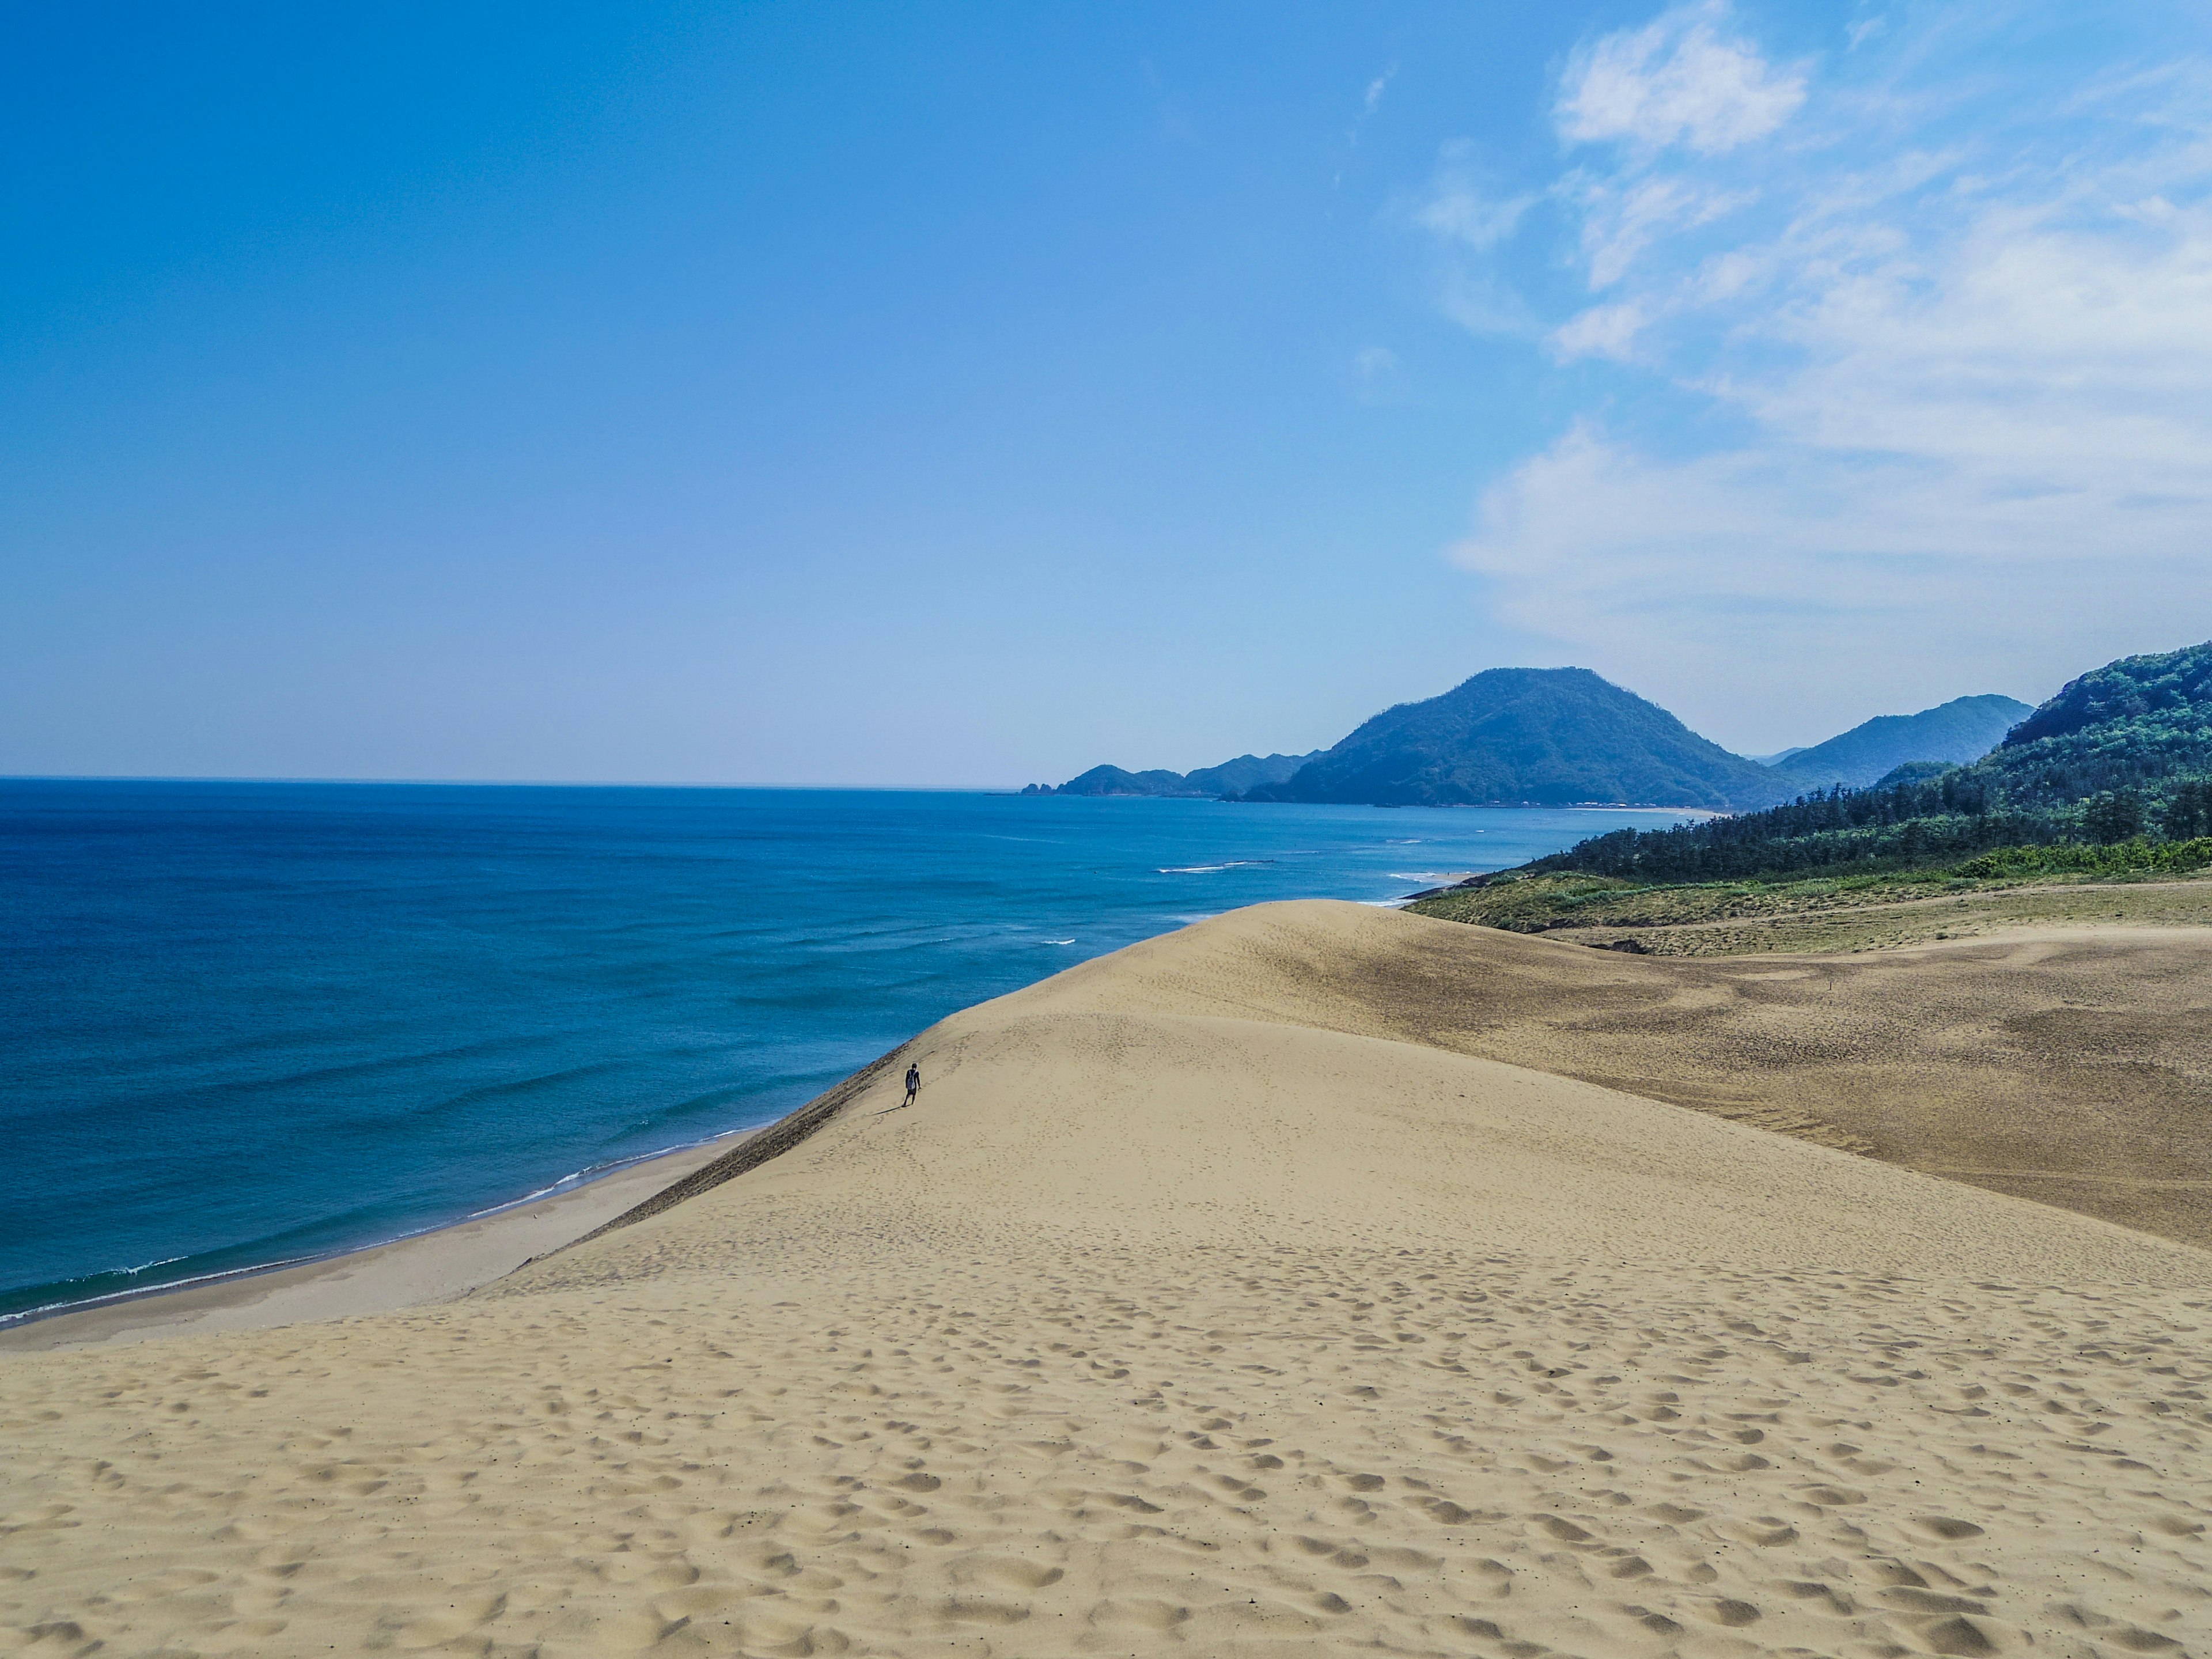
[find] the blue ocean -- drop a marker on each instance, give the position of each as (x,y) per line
(245,1024)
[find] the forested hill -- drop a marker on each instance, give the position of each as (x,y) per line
(1963,730)
(1113,780)
(2135,726)
(1543,737)
(1208,782)
(2121,753)
(1559,737)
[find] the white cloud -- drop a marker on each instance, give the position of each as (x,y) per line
(1459,209)
(1958,337)
(1678,81)
(1601,331)
(2037,349)
(1621,219)
(1983,449)
(1858,35)
(1482,305)
(1472,220)
(1877,586)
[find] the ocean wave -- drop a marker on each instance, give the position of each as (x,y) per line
(71,1303)
(575,1178)
(1210,869)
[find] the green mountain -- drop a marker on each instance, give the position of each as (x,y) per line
(1113,781)
(2121,755)
(1207,782)
(1247,772)
(1553,737)
(1536,736)
(2140,724)
(1962,730)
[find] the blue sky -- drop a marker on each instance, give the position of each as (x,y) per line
(966,395)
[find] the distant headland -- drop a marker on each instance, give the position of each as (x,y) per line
(1564,737)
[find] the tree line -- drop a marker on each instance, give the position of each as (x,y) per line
(1956,816)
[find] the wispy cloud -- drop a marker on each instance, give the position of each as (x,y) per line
(1683,79)
(1460,207)
(1601,331)
(1375,89)
(1952,311)
(1622,217)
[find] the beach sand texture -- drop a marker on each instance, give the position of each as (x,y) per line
(1193,1309)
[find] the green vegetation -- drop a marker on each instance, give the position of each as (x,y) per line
(2131,858)
(1544,904)
(2097,806)
(1528,904)
(2014,887)
(2135,727)
(2121,755)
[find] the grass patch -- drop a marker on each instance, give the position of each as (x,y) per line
(2010,887)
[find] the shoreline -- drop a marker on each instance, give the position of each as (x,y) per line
(436,1265)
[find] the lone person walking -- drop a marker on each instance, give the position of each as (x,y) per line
(913,1084)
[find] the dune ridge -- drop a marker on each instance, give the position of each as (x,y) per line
(2069,1064)
(1197,1306)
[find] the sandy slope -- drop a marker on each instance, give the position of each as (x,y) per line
(1190,1310)
(2071,1065)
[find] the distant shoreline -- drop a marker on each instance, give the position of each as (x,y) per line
(1034,793)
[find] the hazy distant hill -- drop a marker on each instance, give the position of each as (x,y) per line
(1113,781)
(1546,737)
(1248,772)
(1962,730)
(1210,782)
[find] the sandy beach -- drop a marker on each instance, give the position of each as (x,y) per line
(408,1272)
(1317,1278)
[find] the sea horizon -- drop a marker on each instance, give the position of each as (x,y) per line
(1022,790)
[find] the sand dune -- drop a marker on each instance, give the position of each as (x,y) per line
(1195,1308)
(2070,1065)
